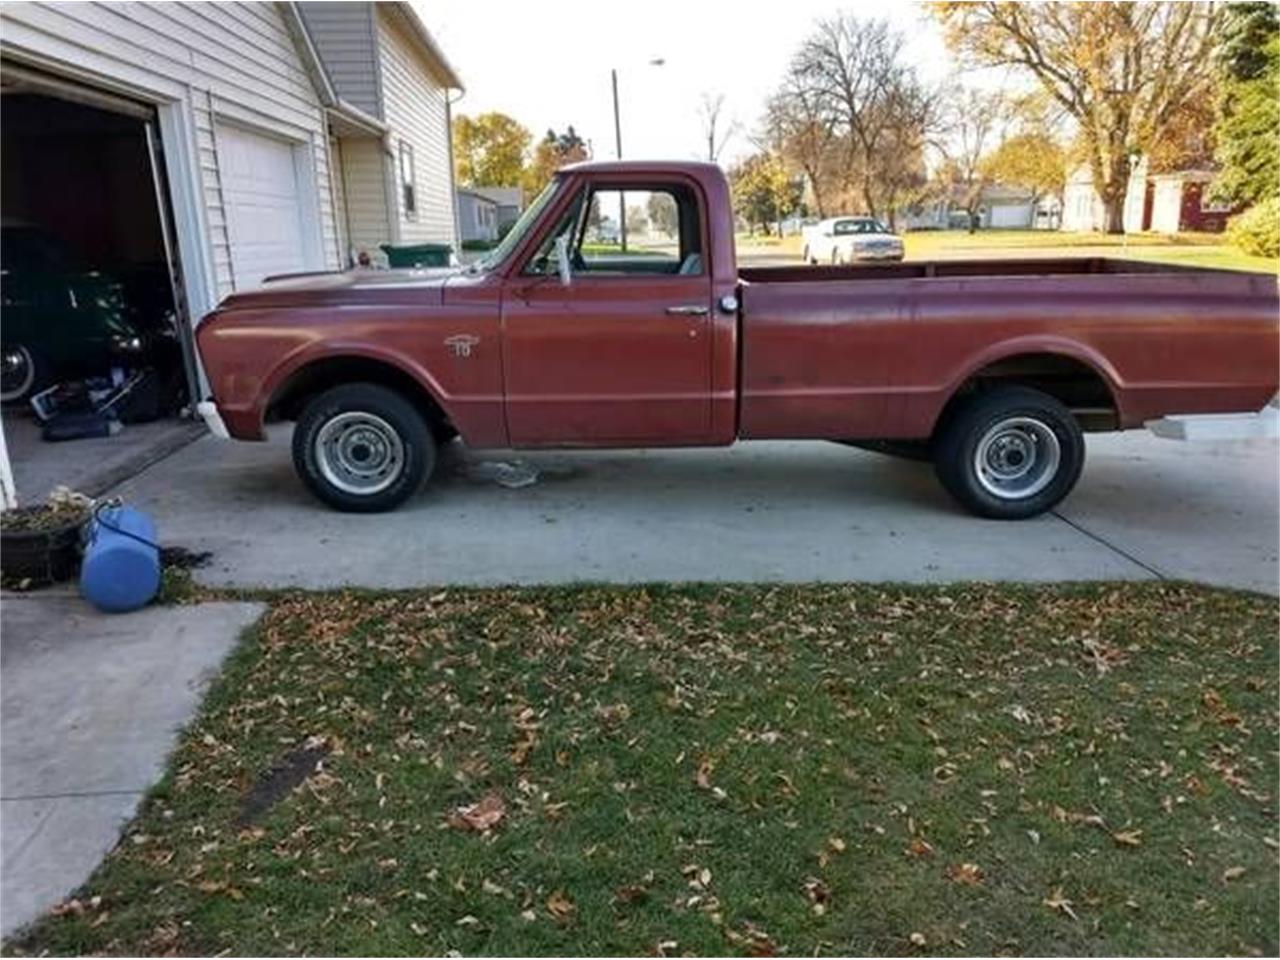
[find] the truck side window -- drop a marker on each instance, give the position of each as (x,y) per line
(544,261)
(642,231)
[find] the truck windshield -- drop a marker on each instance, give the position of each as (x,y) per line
(517,231)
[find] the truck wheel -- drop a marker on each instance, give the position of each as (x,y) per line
(1010,453)
(362,448)
(21,370)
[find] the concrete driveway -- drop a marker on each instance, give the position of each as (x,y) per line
(784,511)
(91,706)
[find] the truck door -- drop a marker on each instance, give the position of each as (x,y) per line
(613,346)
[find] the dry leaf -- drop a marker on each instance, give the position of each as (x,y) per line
(560,906)
(1057,901)
(917,939)
(703,777)
(631,893)
(481,816)
(1232,873)
(819,895)
(1128,838)
(919,848)
(966,873)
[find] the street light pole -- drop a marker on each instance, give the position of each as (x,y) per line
(617,140)
(617,137)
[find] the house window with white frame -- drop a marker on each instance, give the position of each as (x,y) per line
(408,188)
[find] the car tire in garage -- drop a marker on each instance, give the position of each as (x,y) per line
(363,448)
(23,372)
(1009,453)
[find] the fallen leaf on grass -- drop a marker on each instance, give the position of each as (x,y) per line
(917,939)
(560,906)
(919,848)
(818,893)
(1057,901)
(481,816)
(631,893)
(1232,873)
(219,886)
(1128,838)
(703,776)
(969,874)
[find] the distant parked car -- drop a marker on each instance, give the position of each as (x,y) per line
(850,239)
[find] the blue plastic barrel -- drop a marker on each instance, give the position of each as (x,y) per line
(121,568)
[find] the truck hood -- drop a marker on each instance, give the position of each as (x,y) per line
(423,285)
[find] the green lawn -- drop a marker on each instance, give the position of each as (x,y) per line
(1193,249)
(711,770)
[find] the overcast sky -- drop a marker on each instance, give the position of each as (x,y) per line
(547,64)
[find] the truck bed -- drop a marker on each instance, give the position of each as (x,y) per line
(877,350)
(932,269)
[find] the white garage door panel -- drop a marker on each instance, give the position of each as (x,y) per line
(264,209)
(1011,215)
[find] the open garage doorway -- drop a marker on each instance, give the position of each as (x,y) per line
(97,363)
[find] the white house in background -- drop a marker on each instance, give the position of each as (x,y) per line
(1083,210)
(1168,202)
(1000,207)
(477,216)
(509,200)
(391,149)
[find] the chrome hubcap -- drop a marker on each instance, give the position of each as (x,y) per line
(16,371)
(1017,458)
(359,453)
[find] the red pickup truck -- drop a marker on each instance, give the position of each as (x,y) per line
(565,336)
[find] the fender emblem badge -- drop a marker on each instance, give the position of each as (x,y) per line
(461,344)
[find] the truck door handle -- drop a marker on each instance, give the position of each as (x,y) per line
(688,310)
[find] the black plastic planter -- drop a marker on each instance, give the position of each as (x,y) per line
(48,555)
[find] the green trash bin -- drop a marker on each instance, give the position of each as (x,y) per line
(417,254)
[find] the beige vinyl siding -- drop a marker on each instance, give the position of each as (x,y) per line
(364,188)
(343,33)
(223,62)
(414,108)
(339,201)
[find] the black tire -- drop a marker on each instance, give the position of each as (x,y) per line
(375,410)
(26,376)
(1035,428)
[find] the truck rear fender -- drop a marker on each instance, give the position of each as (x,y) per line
(1073,373)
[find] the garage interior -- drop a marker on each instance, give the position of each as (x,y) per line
(96,349)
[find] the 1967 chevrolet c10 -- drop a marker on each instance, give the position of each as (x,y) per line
(555,339)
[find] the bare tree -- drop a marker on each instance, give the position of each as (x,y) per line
(857,81)
(716,131)
(973,126)
(1123,71)
(798,128)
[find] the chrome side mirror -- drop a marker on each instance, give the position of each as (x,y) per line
(562,260)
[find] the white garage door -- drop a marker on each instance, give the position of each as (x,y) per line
(264,210)
(1011,215)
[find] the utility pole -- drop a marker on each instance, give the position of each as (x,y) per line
(617,137)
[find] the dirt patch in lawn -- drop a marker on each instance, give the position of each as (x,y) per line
(274,785)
